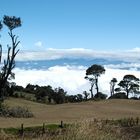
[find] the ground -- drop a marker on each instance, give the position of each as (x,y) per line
(71,112)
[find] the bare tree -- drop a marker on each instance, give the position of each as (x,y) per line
(7,66)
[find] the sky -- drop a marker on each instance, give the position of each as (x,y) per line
(102,25)
(55,29)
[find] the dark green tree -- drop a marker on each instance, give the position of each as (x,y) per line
(92,74)
(71,98)
(129,84)
(6,73)
(59,95)
(112,85)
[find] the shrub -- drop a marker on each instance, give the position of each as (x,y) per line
(120,95)
(20,112)
(17,112)
(100,95)
(134,98)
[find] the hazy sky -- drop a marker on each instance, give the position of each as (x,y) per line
(64,24)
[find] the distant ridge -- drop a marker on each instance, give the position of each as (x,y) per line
(45,64)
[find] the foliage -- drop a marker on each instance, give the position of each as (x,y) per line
(17,112)
(100,95)
(129,84)
(134,98)
(45,94)
(86,94)
(71,98)
(59,95)
(11,22)
(119,95)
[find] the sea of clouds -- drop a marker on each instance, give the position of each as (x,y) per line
(71,78)
(68,77)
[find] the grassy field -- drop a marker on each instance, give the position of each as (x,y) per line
(107,109)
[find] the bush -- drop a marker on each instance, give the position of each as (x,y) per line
(100,95)
(120,95)
(134,98)
(17,112)
(16,94)
(20,112)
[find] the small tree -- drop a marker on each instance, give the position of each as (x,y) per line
(6,73)
(112,85)
(130,84)
(92,74)
(86,94)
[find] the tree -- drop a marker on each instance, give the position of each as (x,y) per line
(6,73)
(92,74)
(59,95)
(130,84)
(71,98)
(86,94)
(79,98)
(112,85)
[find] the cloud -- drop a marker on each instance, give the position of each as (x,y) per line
(51,54)
(130,66)
(69,78)
(132,55)
(38,44)
(135,50)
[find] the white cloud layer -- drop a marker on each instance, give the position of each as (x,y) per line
(69,78)
(50,54)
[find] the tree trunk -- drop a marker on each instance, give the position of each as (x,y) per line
(96,82)
(113,89)
(91,90)
(127,93)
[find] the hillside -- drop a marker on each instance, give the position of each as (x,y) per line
(111,109)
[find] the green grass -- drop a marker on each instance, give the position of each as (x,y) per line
(15,131)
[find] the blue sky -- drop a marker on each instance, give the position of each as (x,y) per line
(64,24)
(108,29)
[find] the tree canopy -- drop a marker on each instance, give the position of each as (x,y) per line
(130,84)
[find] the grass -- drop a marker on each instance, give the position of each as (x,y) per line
(89,129)
(72,112)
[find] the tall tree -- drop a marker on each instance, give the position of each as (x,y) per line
(112,85)
(130,84)
(92,74)
(6,73)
